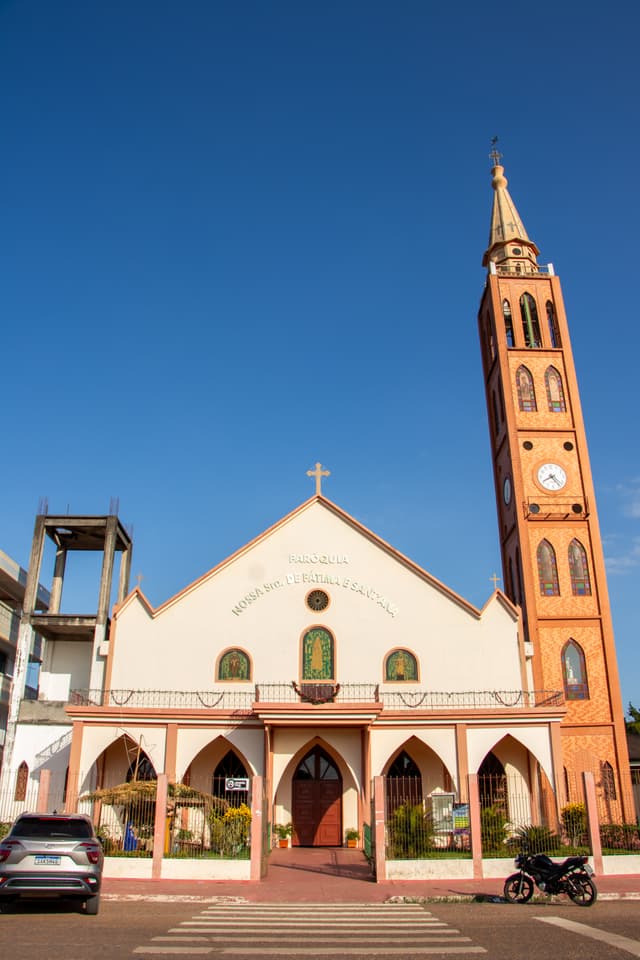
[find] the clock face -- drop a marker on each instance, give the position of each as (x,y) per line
(506,490)
(551,476)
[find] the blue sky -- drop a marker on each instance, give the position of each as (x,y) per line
(238,238)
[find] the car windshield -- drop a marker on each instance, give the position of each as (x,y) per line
(52,828)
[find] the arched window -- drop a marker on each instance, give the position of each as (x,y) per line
(22,778)
(526,390)
(555,392)
(547,570)
(519,576)
(317,655)
(401,665)
(552,320)
(530,325)
(230,767)
(234,665)
(508,323)
(579,570)
(574,672)
(608,779)
(511,586)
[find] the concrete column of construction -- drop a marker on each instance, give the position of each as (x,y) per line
(104,599)
(58,580)
(23,649)
(125,573)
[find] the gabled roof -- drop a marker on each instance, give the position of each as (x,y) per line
(341,514)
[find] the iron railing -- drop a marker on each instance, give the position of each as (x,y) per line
(320,693)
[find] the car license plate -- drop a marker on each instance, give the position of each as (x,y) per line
(46,861)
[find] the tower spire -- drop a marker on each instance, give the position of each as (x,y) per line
(509,245)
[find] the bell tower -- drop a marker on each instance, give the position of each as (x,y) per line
(552,557)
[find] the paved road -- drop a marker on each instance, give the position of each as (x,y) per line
(607,931)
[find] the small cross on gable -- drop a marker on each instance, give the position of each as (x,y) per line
(318,473)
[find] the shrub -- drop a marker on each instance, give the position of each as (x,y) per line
(574,823)
(230,833)
(410,832)
(535,839)
(4,829)
(620,836)
(493,828)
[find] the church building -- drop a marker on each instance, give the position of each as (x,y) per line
(318,657)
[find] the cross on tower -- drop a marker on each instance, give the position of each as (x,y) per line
(496,580)
(139,578)
(318,473)
(494,155)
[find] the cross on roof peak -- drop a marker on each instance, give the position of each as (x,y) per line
(318,473)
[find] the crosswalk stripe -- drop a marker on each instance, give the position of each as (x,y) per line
(266,930)
(613,939)
(346,951)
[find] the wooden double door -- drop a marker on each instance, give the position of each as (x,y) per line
(317,802)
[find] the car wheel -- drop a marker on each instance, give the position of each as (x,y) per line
(92,905)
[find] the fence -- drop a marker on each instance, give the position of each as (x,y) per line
(512,817)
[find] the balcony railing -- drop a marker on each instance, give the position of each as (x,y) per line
(318,693)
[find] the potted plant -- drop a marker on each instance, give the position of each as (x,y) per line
(352,836)
(283,831)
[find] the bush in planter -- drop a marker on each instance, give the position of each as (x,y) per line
(351,836)
(283,830)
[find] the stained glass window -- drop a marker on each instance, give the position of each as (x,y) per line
(401,665)
(526,390)
(608,779)
(547,570)
(530,325)
(508,323)
(555,392)
(554,332)
(579,570)
(574,672)
(22,779)
(234,665)
(317,655)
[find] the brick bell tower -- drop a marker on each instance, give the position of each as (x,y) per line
(552,557)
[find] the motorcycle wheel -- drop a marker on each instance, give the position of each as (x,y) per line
(582,890)
(518,888)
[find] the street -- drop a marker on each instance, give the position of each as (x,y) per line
(161,928)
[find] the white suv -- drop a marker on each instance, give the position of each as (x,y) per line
(52,855)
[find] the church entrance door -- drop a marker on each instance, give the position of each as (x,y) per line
(317,802)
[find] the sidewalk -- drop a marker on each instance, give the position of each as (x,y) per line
(331,875)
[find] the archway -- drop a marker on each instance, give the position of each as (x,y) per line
(317,801)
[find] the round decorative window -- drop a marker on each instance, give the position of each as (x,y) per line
(317,600)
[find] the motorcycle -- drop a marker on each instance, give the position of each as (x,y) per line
(573,876)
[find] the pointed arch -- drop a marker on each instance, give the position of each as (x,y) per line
(552,320)
(230,767)
(579,570)
(574,671)
(547,570)
(530,324)
(508,323)
(403,782)
(141,768)
(555,390)
(22,778)
(526,390)
(496,414)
